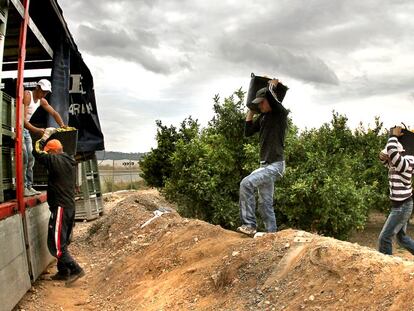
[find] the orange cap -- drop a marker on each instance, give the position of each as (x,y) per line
(54,145)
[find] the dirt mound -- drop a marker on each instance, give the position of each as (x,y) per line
(175,263)
(181,264)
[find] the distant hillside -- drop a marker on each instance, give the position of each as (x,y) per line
(114,155)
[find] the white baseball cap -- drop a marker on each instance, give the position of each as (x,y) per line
(45,85)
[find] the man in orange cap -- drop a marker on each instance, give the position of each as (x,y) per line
(53,146)
(61,169)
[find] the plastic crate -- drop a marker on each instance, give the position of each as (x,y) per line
(8,182)
(8,121)
(257,83)
(40,175)
(89,203)
(91,165)
(68,139)
(89,209)
(94,185)
(407,140)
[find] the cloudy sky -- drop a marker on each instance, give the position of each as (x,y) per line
(165,60)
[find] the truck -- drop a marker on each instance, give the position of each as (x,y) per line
(35,43)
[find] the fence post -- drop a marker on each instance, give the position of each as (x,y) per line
(113,176)
(130,171)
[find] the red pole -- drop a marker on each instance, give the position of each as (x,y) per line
(19,109)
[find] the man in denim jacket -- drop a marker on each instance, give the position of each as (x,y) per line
(271,125)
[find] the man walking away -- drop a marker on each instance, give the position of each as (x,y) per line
(61,199)
(400,171)
(271,125)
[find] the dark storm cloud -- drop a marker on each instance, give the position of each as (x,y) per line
(127,30)
(293,37)
(376,86)
(271,58)
(105,41)
(344,51)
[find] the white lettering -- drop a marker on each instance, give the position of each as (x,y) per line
(89,108)
(77,109)
(76,87)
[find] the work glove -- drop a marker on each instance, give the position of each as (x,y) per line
(48,132)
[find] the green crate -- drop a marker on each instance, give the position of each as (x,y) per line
(88,179)
(94,185)
(40,175)
(7,171)
(91,166)
(7,177)
(8,119)
(89,203)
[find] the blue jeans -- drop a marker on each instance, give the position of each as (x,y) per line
(28,159)
(263,179)
(396,224)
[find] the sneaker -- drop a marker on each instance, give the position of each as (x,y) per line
(259,234)
(74,276)
(59,276)
(250,231)
(27,193)
(34,191)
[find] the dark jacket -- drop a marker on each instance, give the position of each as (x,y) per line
(272,128)
(61,177)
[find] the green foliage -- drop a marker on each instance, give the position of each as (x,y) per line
(333,176)
(156,165)
(208,169)
(368,143)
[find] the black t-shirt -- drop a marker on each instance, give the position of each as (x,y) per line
(61,178)
(272,132)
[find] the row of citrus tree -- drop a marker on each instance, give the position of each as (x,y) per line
(333,176)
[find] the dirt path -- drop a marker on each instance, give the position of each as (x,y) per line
(175,263)
(46,294)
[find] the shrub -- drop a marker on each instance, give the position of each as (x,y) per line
(333,177)
(156,165)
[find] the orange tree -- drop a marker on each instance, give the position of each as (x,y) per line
(333,177)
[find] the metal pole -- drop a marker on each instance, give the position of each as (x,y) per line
(130,171)
(19,109)
(113,176)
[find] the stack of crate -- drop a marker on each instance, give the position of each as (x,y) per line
(8,122)
(89,202)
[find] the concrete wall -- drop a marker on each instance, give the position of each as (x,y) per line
(14,270)
(37,219)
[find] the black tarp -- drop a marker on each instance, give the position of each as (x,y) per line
(73,96)
(59,98)
(83,113)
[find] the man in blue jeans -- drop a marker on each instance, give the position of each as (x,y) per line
(400,171)
(32,100)
(271,125)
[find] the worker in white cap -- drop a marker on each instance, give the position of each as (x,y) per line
(33,100)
